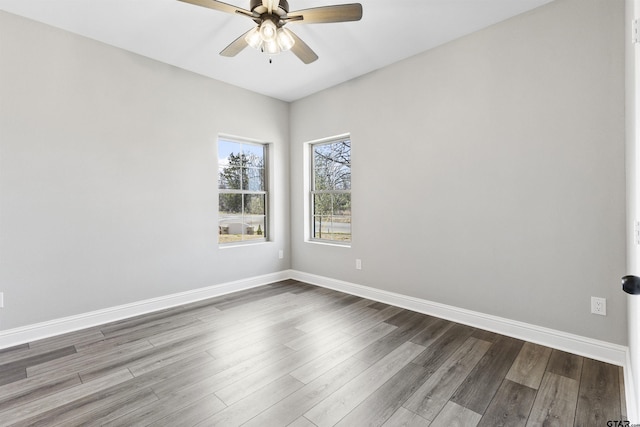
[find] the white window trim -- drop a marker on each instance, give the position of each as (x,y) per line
(268,233)
(308,209)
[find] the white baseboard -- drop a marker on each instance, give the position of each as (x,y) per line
(583,346)
(576,344)
(21,335)
(595,349)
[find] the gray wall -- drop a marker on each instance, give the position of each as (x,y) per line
(108,169)
(488,174)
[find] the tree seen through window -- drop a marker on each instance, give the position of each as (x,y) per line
(331,191)
(242,210)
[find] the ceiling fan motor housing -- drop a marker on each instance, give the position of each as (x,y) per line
(284,5)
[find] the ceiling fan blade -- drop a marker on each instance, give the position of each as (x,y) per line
(325,14)
(236,46)
(222,7)
(302,51)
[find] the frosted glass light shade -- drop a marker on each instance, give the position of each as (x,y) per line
(271,47)
(254,39)
(268,31)
(285,39)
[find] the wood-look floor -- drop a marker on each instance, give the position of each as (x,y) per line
(294,354)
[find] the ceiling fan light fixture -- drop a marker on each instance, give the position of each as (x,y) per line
(285,39)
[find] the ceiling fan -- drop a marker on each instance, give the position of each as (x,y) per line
(271,15)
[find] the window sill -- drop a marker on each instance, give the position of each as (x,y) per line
(327,243)
(241,244)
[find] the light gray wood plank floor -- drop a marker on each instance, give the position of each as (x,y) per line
(294,354)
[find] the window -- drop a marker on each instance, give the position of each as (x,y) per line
(331,191)
(242,209)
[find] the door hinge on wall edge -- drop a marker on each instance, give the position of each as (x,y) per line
(635,31)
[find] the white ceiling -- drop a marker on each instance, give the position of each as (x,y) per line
(190,37)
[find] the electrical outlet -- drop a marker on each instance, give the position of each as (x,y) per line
(280,254)
(599,306)
(1,299)
(358,264)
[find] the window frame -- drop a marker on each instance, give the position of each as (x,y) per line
(265,192)
(312,192)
